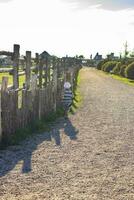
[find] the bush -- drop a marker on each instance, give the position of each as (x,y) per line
(116,69)
(100,64)
(127,61)
(129,71)
(122,70)
(108,66)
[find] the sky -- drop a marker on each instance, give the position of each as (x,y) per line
(67,27)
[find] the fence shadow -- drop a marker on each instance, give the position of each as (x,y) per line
(23,153)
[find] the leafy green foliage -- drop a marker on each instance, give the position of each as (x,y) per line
(126,61)
(122,70)
(101,63)
(108,66)
(129,71)
(116,69)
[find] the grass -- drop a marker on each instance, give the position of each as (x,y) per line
(36,127)
(10,79)
(77,96)
(124,80)
(119,78)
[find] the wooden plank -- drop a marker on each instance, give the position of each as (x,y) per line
(33,84)
(0,121)
(54,84)
(6,70)
(4,106)
(39,113)
(28,68)
(46,70)
(16,66)
(40,73)
(4,90)
(37,63)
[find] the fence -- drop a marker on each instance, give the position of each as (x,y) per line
(40,93)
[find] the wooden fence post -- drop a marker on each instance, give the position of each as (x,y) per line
(37,63)
(46,71)
(40,73)
(16,66)
(28,68)
(0,121)
(64,69)
(49,70)
(3,104)
(55,83)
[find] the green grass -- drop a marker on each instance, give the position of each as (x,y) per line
(36,127)
(10,79)
(122,79)
(77,96)
(119,78)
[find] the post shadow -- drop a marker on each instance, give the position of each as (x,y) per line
(14,154)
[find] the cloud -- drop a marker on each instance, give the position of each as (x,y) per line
(104,4)
(5,1)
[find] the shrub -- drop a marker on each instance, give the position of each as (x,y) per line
(127,61)
(100,64)
(129,71)
(122,70)
(108,66)
(116,69)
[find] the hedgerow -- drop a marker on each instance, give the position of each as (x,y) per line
(129,71)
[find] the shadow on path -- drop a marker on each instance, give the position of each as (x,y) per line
(69,130)
(14,154)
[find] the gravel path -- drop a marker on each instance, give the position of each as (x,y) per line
(89,156)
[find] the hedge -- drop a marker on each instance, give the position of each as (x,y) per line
(129,71)
(108,66)
(116,69)
(100,64)
(122,70)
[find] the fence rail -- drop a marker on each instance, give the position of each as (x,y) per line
(41,91)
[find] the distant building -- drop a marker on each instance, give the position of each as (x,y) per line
(5,61)
(44,55)
(97,59)
(112,57)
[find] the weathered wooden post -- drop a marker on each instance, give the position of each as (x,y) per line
(28,69)
(0,121)
(49,70)
(40,72)
(37,63)
(3,104)
(55,83)
(46,70)
(64,69)
(40,87)
(16,66)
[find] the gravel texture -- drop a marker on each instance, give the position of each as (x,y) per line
(89,156)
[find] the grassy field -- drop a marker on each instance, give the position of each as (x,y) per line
(10,79)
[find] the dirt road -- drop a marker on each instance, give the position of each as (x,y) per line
(89,156)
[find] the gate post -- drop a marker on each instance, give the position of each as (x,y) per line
(16,66)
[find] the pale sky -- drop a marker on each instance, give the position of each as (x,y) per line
(67,27)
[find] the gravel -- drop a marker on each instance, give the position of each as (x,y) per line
(89,156)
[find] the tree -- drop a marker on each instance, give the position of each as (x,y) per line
(126,52)
(81,56)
